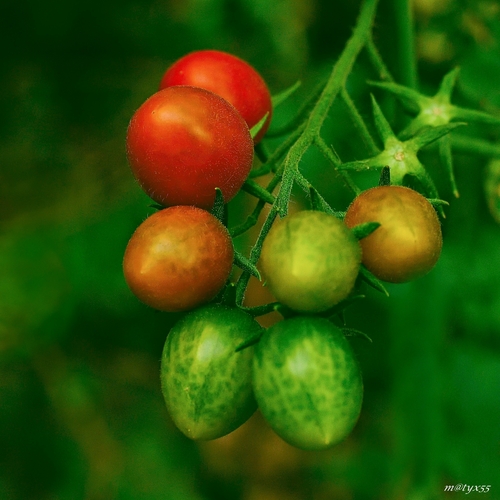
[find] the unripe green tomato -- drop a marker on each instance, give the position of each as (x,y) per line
(206,384)
(307,382)
(310,261)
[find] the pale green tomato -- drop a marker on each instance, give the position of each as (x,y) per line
(310,261)
(307,382)
(206,384)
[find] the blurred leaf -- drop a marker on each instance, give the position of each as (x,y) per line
(492,188)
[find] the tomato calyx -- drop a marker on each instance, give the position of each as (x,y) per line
(400,156)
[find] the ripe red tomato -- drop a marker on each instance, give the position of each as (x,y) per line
(408,242)
(310,261)
(178,258)
(228,76)
(183,142)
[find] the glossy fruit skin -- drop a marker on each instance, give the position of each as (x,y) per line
(183,142)
(228,76)
(178,259)
(207,386)
(307,382)
(310,261)
(408,243)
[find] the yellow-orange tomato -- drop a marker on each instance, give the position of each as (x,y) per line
(408,242)
(178,258)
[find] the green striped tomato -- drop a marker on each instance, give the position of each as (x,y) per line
(206,384)
(310,261)
(307,382)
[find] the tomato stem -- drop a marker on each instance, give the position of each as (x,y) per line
(359,123)
(405,42)
(376,60)
(243,280)
(472,145)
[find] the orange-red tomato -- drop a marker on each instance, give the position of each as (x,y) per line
(408,242)
(228,76)
(184,142)
(178,258)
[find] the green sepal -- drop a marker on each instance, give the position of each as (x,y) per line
(228,295)
(371,280)
(285,311)
(243,263)
(444,146)
(219,210)
(352,332)
(410,97)
(318,203)
(258,126)
(448,83)
(382,125)
(285,94)
(252,340)
(156,206)
(365,229)
(429,134)
(436,202)
(385,176)
(471,115)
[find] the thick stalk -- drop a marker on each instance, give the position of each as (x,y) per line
(405,43)
(336,82)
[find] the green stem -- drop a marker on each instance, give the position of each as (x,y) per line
(288,171)
(377,61)
(243,280)
(359,123)
(475,146)
(277,153)
(319,202)
(301,113)
(416,362)
(261,152)
(328,154)
(405,42)
(251,187)
(335,83)
(261,310)
(343,66)
(254,216)
(444,145)
(250,221)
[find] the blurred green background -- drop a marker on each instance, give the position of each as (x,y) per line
(81,412)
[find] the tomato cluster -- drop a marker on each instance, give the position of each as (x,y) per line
(219,365)
(184,142)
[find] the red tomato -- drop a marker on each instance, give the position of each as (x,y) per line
(408,242)
(178,258)
(228,76)
(183,142)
